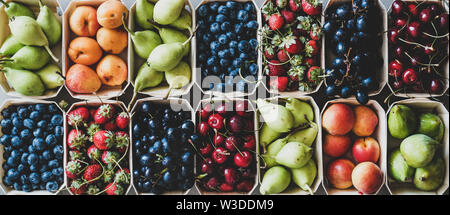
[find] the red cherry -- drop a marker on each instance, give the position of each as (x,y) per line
(398,7)
(226,187)
(203,128)
(206,151)
(231,143)
(207,166)
(205,112)
(221,108)
(243,160)
(409,76)
(245,186)
(413,9)
(231,176)
(220,155)
(237,124)
(400,22)
(429,50)
(414,29)
(215,121)
(249,142)
(399,52)
(212,183)
(397,84)
(418,87)
(218,140)
(425,15)
(395,68)
(435,86)
(394,35)
(443,22)
(247,173)
(242,109)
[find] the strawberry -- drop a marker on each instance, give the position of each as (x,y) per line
(92,129)
(78,117)
(92,189)
(312,7)
(311,48)
(296,73)
(297,32)
(76,155)
(316,32)
(281,3)
(110,125)
(92,172)
(279,83)
(73,169)
(288,16)
(103,114)
(104,140)
(276,22)
(77,187)
(313,74)
(114,189)
(94,153)
(226,187)
(110,157)
(295,5)
(76,139)
(122,176)
(92,112)
(310,61)
(292,44)
(122,120)
(296,60)
(269,53)
(304,25)
(276,70)
(282,56)
(109,175)
(122,140)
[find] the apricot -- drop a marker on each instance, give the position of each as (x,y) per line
(336,145)
(110,13)
(112,70)
(112,40)
(365,121)
(84,50)
(83,21)
(82,79)
(338,119)
(367,177)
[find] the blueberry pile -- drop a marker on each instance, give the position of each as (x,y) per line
(33,151)
(354,34)
(227,43)
(163,156)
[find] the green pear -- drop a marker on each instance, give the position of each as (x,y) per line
(183,22)
(30,57)
(144,42)
(51,76)
(301,111)
(294,155)
(398,168)
(179,76)
(306,136)
(167,11)
(16,9)
(275,180)
(10,46)
(430,177)
(401,121)
(165,57)
(267,135)
(24,82)
(272,151)
(304,176)
(169,35)
(144,13)
(147,77)
(49,24)
(431,125)
(418,150)
(277,117)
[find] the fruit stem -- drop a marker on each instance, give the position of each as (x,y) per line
(4,3)
(190,37)
(132,100)
(412,43)
(153,25)
(51,54)
(125,26)
(436,36)
(40,3)
(195,148)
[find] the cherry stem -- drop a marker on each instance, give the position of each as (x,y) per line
(195,148)
(413,43)
(436,36)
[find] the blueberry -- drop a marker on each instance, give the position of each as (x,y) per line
(243,56)
(338,63)
(368,83)
(362,23)
(212,61)
(203,10)
(206,38)
(31,149)
(222,10)
(40,107)
(211,19)
(51,140)
(15,131)
(26,188)
(44,168)
(225,26)
(136,130)
(166,148)
(243,45)
(17,186)
(145,159)
(5,140)
(350,24)
(7,181)
(234,72)
(57,119)
(6,123)
(249,7)
(346,92)
(53,164)
(231,4)
(187,158)
(341,48)
(331,90)
(51,186)
(168,178)
(46,176)
(39,144)
(214,45)
(187,127)
(232,36)
(252,25)
(253,69)
(24,179)
(238,29)
(23,158)
(340,35)
(38,132)
(362,97)
(214,6)
(58,150)
(58,171)
(329,26)
(16,142)
(214,28)
(23,113)
(59,131)
(221,18)
(343,12)
(223,39)
(253,43)
(233,44)
(13,174)
(52,108)
(17,122)
(32,159)
(21,168)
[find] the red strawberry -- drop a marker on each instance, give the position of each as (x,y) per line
(288,16)
(110,126)
(279,83)
(310,61)
(92,172)
(110,157)
(293,45)
(76,139)
(276,22)
(77,187)
(295,5)
(122,140)
(76,155)
(311,48)
(73,169)
(276,70)
(282,56)
(296,73)
(92,112)
(298,32)
(122,176)
(122,120)
(103,140)
(316,32)
(103,114)
(78,117)
(114,189)
(94,153)
(312,7)
(269,53)
(313,74)
(226,187)
(92,129)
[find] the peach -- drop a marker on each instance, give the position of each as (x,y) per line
(336,145)
(112,70)
(366,121)
(84,50)
(366,149)
(83,21)
(112,40)
(367,177)
(339,173)
(338,119)
(82,79)
(110,13)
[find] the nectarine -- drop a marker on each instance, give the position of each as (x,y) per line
(338,119)
(112,40)
(366,149)
(83,21)
(112,70)
(336,145)
(110,13)
(84,50)
(82,79)
(367,177)
(365,121)
(339,173)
